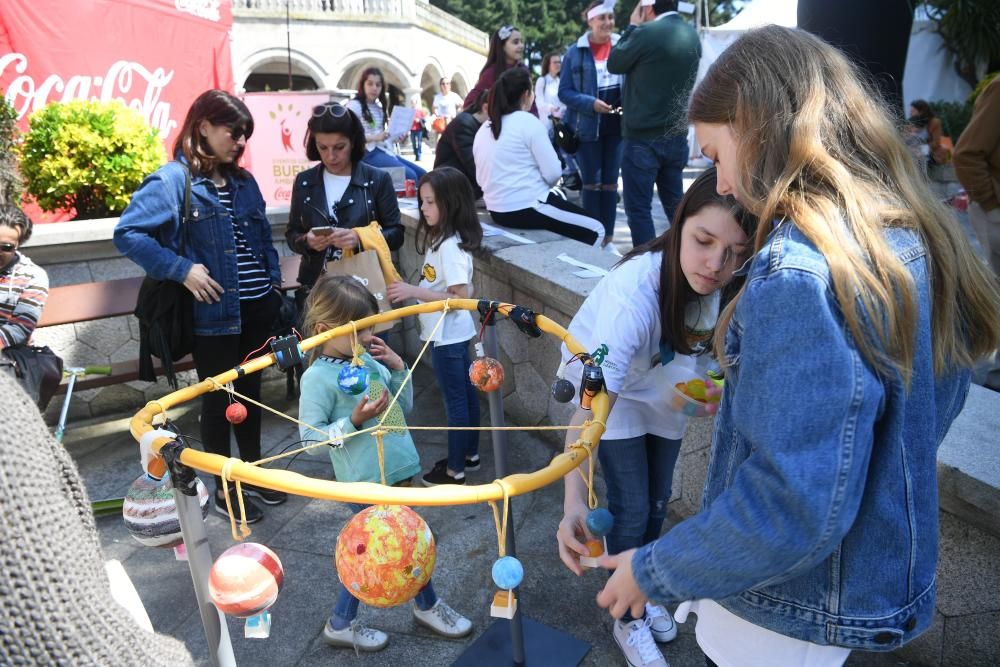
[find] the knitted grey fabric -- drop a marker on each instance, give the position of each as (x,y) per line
(55,601)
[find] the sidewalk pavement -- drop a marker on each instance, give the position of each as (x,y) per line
(303,533)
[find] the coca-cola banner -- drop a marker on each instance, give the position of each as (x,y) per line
(154,55)
(275,152)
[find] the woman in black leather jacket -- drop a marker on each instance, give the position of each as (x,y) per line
(339,193)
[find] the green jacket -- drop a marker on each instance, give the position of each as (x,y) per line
(660,62)
(323,405)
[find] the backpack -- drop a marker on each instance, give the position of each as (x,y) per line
(165,310)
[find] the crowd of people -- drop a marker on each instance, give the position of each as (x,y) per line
(811,265)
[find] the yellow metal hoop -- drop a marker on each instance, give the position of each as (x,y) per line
(366,492)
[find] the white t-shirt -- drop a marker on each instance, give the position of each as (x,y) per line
(756,646)
(376,125)
(335,186)
(516,170)
(619,324)
(447,106)
(445,267)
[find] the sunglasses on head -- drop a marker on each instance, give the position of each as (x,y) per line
(8,247)
(335,109)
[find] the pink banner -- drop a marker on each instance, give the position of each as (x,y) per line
(275,152)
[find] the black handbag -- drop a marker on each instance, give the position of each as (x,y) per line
(565,138)
(165,310)
(38,369)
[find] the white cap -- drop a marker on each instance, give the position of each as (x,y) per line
(647,3)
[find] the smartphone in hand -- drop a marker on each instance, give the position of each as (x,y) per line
(324,230)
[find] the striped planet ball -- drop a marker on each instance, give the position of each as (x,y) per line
(245,580)
(150,513)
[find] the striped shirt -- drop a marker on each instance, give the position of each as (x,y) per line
(24,286)
(253,279)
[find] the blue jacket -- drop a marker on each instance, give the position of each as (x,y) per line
(148,233)
(578,89)
(820,513)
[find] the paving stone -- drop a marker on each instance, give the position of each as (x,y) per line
(967,555)
(971,641)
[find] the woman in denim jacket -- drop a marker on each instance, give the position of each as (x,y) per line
(229,263)
(592,95)
(847,357)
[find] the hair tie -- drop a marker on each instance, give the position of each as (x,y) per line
(505,31)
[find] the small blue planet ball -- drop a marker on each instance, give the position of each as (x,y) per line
(353,380)
(600,522)
(563,390)
(508,573)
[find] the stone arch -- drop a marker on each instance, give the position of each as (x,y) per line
(275,60)
(429,80)
(398,77)
(460,84)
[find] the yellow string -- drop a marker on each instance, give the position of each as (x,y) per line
(501,526)
(589,478)
(356,349)
(380,446)
(226,475)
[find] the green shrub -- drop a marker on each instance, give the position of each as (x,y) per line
(90,156)
(981,86)
(954,117)
(10,179)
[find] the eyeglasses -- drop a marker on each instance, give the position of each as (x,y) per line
(505,31)
(335,109)
(238,133)
(8,247)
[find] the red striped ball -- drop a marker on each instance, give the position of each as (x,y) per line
(245,580)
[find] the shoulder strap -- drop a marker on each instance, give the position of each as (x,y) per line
(187,204)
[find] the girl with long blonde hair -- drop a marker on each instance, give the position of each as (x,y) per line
(847,355)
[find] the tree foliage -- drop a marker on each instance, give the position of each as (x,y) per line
(10,178)
(89,156)
(549,25)
(970,30)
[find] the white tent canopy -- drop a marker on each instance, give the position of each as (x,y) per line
(929,72)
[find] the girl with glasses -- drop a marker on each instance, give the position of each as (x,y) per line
(228,263)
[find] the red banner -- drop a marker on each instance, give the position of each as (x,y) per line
(275,152)
(156,56)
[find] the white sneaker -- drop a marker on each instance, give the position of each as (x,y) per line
(661,624)
(356,636)
(636,642)
(611,249)
(443,620)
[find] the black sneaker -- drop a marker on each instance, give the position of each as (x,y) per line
(266,496)
(439,475)
(572,182)
(472,462)
(254,513)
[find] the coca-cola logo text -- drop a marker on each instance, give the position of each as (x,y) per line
(123,81)
(282,194)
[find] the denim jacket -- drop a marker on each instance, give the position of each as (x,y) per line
(578,89)
(148,233)
(819,518)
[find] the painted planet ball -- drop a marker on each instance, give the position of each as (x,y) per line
(150,512)
(236,413)
(245,580)
(595,548)
(508,572)
(563,390)
(600,522)
(353,380)
(385,555)
(486,374)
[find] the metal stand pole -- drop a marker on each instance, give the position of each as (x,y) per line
(500,462)
(531,643)
(220,649)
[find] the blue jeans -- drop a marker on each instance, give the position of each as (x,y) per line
(599,162)
(417,141)
(346,608)
(461,401)
(639,473)
(379,158)
(647,162)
